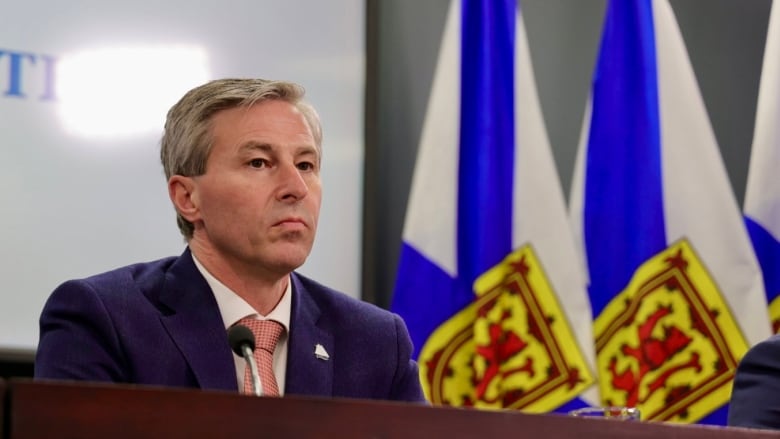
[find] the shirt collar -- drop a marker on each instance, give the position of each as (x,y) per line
(233,308)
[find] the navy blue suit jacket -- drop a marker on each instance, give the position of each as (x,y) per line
(158,323)
(755,397)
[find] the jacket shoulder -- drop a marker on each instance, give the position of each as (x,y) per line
(342,308)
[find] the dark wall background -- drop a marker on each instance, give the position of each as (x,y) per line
(16,364)
(725,40)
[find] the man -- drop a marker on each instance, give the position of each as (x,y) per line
(754,396)
(242,158)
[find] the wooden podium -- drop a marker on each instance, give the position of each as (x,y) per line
(77,410)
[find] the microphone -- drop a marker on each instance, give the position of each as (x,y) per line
(242,341)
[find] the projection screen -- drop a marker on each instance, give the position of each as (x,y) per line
(84,88)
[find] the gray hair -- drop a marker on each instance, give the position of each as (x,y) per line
(187,139)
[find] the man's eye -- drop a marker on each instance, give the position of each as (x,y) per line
(305,166)
(258,163)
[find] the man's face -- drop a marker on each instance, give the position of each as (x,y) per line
(258,202)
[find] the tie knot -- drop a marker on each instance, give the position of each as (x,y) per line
(267,332)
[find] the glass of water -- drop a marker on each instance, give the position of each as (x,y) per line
(611,412)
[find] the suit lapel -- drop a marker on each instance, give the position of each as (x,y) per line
(307,373)
(196,326)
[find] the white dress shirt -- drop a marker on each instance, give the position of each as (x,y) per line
(233,308)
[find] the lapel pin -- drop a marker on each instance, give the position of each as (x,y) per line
(320,352)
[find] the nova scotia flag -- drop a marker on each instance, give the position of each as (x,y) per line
(762,195)
(489,280)
(675,289)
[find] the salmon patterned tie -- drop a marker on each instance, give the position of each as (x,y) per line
(267,333)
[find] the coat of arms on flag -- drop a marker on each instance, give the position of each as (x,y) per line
(668,343)
(511,348)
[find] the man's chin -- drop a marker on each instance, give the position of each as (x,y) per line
(290,262)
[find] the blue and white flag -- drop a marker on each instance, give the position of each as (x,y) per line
(489,280)
(675,288)
(762,196)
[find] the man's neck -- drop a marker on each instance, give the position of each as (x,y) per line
(260,288)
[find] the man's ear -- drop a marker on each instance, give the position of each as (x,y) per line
(184,195)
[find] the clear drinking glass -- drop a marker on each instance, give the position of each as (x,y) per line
(617,413)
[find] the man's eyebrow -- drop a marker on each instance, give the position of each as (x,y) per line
(308,150)
(252,146)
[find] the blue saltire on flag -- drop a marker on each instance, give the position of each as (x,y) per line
(674,287)
(486,205)
(762,195)
(623,155)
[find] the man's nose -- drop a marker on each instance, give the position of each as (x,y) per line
(291,184)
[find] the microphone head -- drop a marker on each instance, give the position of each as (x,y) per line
(239,335)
